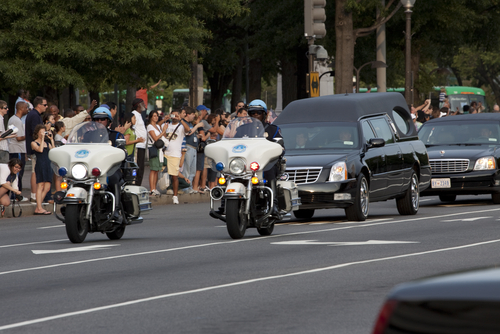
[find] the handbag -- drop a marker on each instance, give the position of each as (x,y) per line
(152,152)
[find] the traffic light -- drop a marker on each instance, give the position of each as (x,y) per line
(314,18)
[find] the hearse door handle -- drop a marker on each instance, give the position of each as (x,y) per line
(399,154)
(383,157)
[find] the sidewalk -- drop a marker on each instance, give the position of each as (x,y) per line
(29,208)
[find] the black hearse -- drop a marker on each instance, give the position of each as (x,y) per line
(344,151)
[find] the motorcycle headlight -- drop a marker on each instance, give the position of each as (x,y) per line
(485,163)
(79,171)
(237,166)
(338,172)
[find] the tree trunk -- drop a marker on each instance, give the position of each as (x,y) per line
(237,83)
(218,86)
(485,74)
(344,55)
(255,77)
(288,81)
(415,65)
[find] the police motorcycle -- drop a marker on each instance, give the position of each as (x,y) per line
(87,203)
(247,198)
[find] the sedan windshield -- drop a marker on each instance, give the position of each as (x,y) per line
(313,136)
(458,133)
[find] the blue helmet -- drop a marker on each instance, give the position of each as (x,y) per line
(257,105)
(102,112)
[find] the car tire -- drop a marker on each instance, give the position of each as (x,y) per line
(304,214)
(495,198)
(359,210)
(448,198)
(408,205)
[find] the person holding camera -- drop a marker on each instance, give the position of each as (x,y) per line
(8,181)
(43,171)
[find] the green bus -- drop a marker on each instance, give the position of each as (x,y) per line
(458,96)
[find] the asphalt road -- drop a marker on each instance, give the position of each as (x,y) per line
(179,272)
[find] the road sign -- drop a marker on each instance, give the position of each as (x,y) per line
(314,84)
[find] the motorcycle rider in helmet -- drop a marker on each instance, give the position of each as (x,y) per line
(258,110)
(103,115)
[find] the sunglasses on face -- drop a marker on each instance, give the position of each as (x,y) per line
(255,112)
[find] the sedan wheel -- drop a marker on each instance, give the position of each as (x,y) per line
(409,204)
(359,210)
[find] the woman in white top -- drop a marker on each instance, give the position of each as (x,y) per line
(155,132)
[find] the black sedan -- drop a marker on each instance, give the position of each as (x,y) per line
(345,151)
(464,153)
(467,302)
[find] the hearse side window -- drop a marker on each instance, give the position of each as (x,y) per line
(382,130)
(400,121)
(367,132)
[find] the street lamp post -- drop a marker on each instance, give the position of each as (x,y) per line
(375,64)
(408,4)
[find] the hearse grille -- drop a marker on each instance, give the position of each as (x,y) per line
(442,166)
(304,175)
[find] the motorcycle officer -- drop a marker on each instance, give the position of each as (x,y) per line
(258,110)
(103,115)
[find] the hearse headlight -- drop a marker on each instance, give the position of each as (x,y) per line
(485,163)
(338,172)
(237,166)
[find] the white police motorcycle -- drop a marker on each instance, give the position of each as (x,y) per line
(247,198)
(89,206)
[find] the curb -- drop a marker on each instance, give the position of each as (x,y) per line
(29,208)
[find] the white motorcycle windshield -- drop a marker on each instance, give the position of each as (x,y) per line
(244,127)
(88,133)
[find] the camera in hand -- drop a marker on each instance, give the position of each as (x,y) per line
(19,198)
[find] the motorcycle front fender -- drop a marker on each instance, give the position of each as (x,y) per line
(76,194)
(235,190)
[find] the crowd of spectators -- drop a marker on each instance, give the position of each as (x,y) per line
(41,126)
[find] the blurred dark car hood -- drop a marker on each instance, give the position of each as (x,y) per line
(314,159)
(460,151)
(479,285)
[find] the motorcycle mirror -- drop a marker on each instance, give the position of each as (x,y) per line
(120,143)
(279,141)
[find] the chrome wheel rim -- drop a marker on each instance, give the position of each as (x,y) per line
(364,196)
(415,196)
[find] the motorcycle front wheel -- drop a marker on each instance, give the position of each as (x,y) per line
(77,228)
(235,218)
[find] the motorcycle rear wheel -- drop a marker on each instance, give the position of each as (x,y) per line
(116,234)
(77,228)
(266,230)
(236,221)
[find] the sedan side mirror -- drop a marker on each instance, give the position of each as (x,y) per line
(375,142)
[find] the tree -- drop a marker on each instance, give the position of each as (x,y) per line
(94,42)
(346,35)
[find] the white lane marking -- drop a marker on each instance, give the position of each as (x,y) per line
(74,249)
(466,219)
(33,243)
(235,241)
(42,228)
(239,283)
(425,200)
(352,243)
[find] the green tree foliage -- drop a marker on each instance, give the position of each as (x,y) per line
(57,43)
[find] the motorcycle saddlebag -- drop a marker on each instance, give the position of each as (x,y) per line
(290,195)
(129,170)
(136,201)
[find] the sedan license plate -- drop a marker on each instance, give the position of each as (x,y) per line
(441,183)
